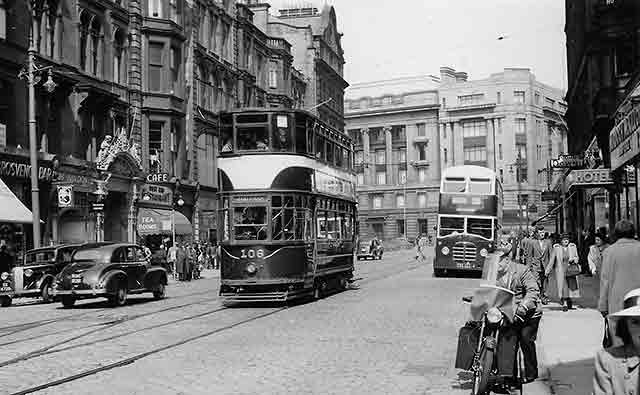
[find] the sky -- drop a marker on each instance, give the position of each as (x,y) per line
(390,39)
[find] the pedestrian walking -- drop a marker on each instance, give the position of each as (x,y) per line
(595,259)
(563,270)
(171,259)
(537,253)
(524,242)
(620,272)
(617,368)
(422,246)
(181,262)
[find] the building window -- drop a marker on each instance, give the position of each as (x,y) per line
(85,25)
(521,126)
(446,160)
(398,133)
(538,151)
(422,129)
(521,169)
(155,8)
(422,175)
(523,201)
(175,63)
(623,55)
(501,175)
(402,177)
(422,200)
(381,157)
(273,76)
(468,100)
(46,36)
(474,128)
(155,66)
(444,102)
(499,97)
(475,154)
(399,201)
(400,226)
(360,179)
(500,151)
(377,201)
(402,155)
(3,20)
(155,146)
(118,58)
(359,157)
(536,98)
(518,97)
(173,10)
(499,123)
(422,151)
(381,178)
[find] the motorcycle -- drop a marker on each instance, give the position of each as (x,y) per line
(488,343)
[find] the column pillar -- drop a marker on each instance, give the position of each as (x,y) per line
(435,151)
(457,143)
(491,144)
(388,147)
(366,157)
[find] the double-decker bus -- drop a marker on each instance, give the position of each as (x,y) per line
(286,206)
(469,219)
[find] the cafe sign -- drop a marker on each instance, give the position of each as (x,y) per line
(624,139)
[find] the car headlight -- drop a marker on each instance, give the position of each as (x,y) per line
(484,253)
(445,250)
(4,275)
(28,273)
(494,315)
(251,268)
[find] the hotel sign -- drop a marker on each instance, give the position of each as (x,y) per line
(624,139)
(594,178)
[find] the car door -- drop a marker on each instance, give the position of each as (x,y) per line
(141,265)
(130,267)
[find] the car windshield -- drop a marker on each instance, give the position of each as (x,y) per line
(39,257)
(450,225)
(90,254)
(480,227)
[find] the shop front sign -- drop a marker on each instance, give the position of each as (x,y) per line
(65,195)
(624,139)
(157,194)
(11,168)
(158,178)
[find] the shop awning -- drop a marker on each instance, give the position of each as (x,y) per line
(11,208)
(158,222)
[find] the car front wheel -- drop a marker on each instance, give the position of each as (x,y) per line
(46,293)
(159,293)
(120,297)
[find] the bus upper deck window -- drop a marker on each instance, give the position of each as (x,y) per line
(480,185)
(455,185)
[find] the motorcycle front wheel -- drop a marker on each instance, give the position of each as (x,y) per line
(481,375)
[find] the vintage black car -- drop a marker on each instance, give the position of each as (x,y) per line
(33,277)
(111,271)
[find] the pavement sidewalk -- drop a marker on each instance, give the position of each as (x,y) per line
(567,343)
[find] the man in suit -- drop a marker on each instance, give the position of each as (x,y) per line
(537,255)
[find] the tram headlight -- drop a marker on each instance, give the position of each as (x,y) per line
(445,250)
(251,268)
(4,276)
(28,273)
(494,315)
(484,253)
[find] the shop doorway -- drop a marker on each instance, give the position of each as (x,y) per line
(423,226)
(116,217)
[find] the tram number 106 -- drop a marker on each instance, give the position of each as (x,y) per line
(252,253)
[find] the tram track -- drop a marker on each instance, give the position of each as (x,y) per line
(129,360)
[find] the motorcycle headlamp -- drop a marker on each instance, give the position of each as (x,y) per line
(445,250)
(494,315)
(4,276)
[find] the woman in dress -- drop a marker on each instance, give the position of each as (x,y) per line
(595,259)
(562,287)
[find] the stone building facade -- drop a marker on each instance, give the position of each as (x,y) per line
(134,114)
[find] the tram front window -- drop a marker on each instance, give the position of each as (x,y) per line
(253,138)
(250,223)
(482,227)
(451,225)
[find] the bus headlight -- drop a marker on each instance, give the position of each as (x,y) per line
(484,252)
(4,276)
(251,268)
(494,315)
(445,250)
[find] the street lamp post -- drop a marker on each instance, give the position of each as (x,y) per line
(518,179)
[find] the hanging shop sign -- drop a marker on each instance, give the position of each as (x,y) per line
(65,195)
(594,178)
(156,194)
(624,139)
(11,168)
(158,178)
(568,162)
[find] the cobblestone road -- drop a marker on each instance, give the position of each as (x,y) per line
(395,334)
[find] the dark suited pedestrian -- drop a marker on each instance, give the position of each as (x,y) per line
(537,253)
(181,262)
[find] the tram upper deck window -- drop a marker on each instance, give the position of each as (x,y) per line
(250,223)
(301,135)
(482,227)
(321,152)
(252,138)
(480,185)
(226,132)
(450,225)
(281,135)
(455,185)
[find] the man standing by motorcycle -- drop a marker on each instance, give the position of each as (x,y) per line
(519,279)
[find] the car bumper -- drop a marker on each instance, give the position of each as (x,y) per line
(80,292)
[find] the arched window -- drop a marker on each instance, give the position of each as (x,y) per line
(85,23)
(118,57)
(95,46)
(48,28)
(215,82)
(204,88)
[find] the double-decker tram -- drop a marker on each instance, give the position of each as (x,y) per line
(286,206)
(469,219)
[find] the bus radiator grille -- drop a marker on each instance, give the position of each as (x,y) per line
(464,253)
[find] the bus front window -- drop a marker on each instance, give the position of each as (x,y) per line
(480,186)
(450,225)
(455,185)
(250,223)
(482,227)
